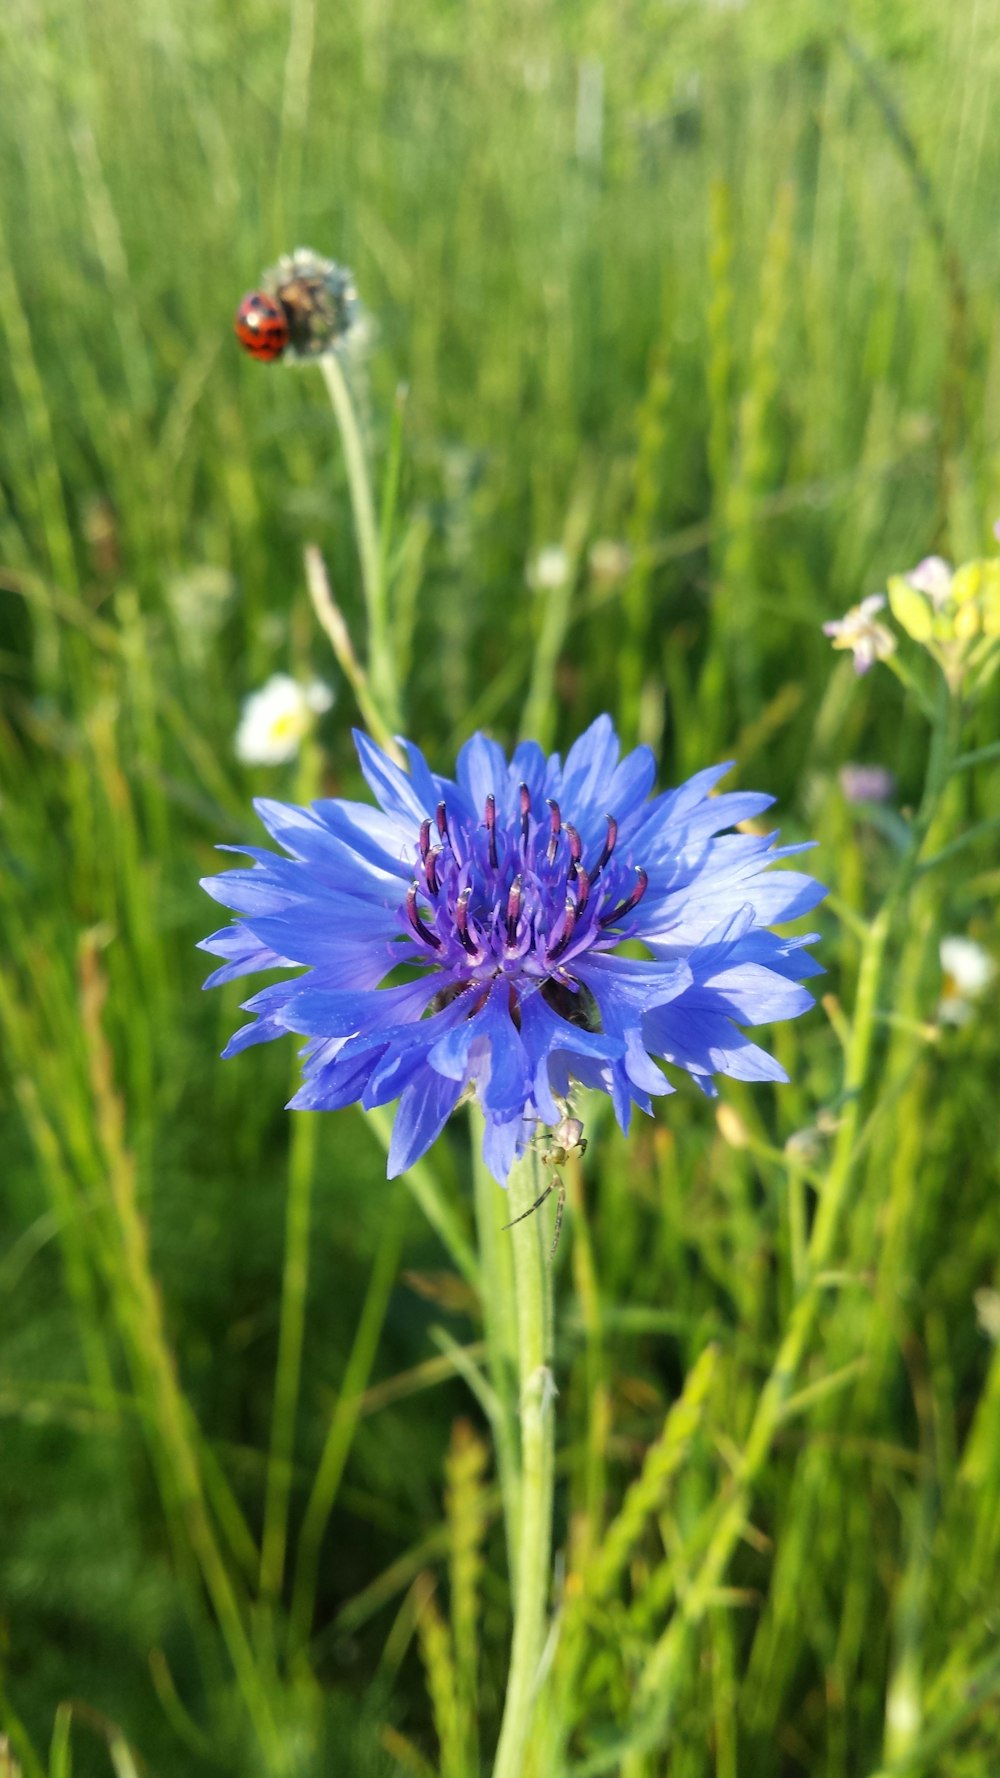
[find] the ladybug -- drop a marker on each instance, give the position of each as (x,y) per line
(262,326)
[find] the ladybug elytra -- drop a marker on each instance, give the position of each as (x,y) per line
(262,326)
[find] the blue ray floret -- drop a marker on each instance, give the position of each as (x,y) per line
(506,895)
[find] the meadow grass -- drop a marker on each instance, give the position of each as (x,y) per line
(712,284)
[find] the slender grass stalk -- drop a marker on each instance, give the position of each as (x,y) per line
(465,1502)
(381,665)
(77,1254)
(294,1288)
(593,1370)
(340,1431)
(437,1650)
(41,486)
(532,1275)
(331,621)
(651,435)
(294,111)
(497,1293)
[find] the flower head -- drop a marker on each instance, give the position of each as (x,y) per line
(860,631)
(506,895)
(967,971)
(609,559)
(948,610)
(866,783)
(549,570)
(277,718)
(306,307)
(932,576)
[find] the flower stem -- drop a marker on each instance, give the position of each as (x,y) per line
(533,1287)
(381,665)
(294,1292)
(497,1293)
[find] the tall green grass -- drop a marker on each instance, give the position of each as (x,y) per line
(251,1517)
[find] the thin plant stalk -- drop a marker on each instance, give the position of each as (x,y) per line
(381,665)
(340,1432)
(497,1293)
(294,1290)
(331,621)
(533,1288)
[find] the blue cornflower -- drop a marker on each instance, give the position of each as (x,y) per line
(494,909)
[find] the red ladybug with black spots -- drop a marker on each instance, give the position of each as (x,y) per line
(262,326)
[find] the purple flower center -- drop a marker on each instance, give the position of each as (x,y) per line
(516,898)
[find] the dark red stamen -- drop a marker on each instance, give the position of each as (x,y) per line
(441,817)
(575,851)
(608,846)
(569,921)
(582,890)
(555,825)
(513,910)
(525,810)
(425,839)
(430,869)
(465,938)
(631,901)
(422,931)
(491,828)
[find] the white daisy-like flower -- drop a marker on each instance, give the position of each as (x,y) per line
(277,718)
(860,631)
(549,570)
(967,971)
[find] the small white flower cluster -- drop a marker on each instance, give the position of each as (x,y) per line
(277,718)
(967,971)
(860,631)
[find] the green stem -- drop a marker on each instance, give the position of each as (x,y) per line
(294,1289)
(980,756)
(381,665)
(294,1292)
(533,1286)
(341,1430)
(499,1301)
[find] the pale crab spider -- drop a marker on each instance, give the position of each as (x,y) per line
(567,1138)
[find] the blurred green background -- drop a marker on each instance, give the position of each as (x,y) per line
(710,283)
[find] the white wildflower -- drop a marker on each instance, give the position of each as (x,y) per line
(277,718)
(549,570)
(967,971)
(860,631)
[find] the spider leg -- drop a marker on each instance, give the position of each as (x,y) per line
(531,1207)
